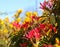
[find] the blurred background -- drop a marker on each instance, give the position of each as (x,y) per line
(9,7)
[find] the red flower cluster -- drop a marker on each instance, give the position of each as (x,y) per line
(43,27)
(33,33)
(36,32)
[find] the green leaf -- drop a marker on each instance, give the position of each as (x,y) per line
(52,19)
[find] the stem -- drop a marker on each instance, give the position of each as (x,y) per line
(33,42)
(36,46)
(37,43)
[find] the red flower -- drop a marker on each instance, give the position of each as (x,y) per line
(23,45)
(30,34)
(32,17)
(54,29)
(51,26)
(50,45)
(42,26)
(37,30)
(51,0)
(37,33)
(25,25)
(45,45)
(33,33)
(17,25)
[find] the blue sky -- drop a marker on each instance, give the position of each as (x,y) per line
(10,6)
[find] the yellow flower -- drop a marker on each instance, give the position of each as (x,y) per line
(28,14)
(5,31)
(2,22)
(27,19)
(10,25)
(19,11)
(57,40)
(18,19)
(35,13)
(6,19)
(56,45)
